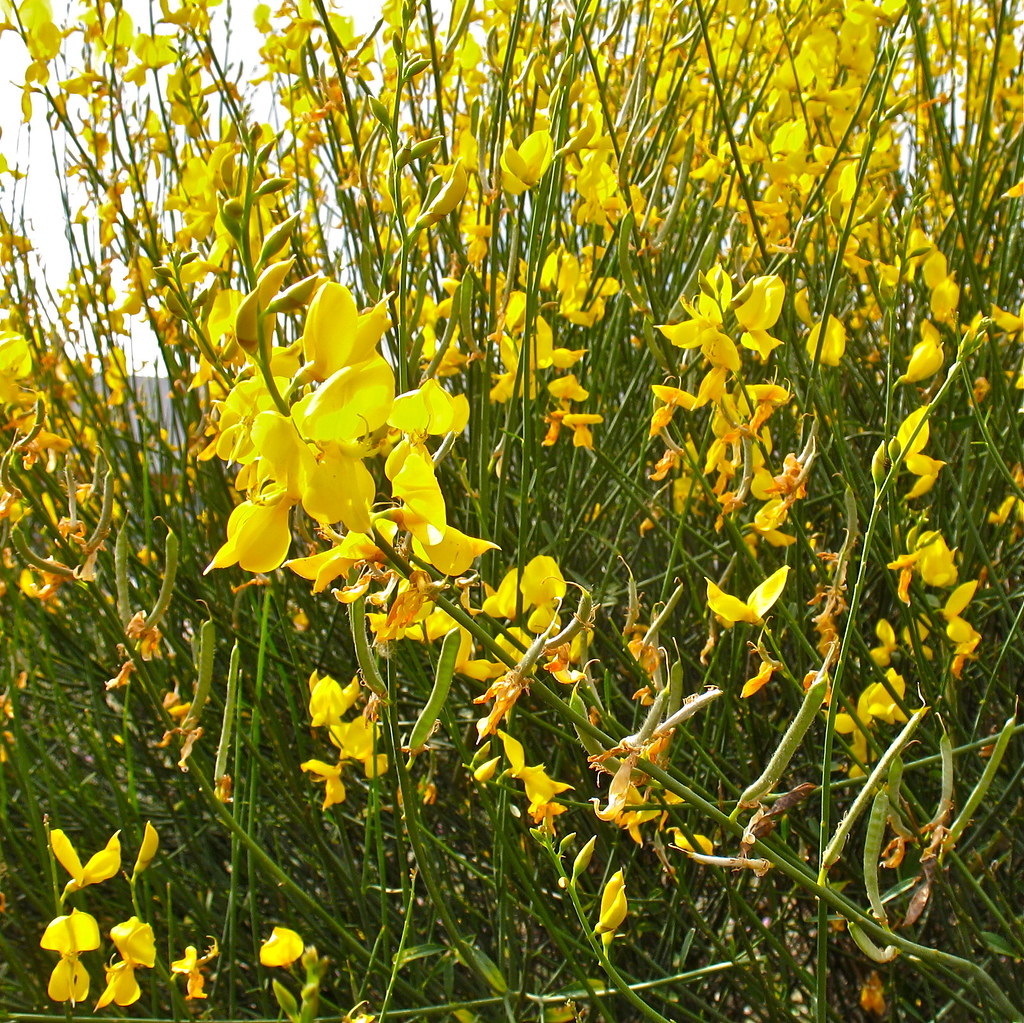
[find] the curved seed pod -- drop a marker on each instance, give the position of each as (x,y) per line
(869,948)
(424,727)
(835,846)
(204,666)
(892,788)
(30,557)
(99,534)
(230,699)
(872,851)
(946,792)
(163,599)
(591,746)
(787,747)
(580,620)
(963,818)
(364,656)
(121,573)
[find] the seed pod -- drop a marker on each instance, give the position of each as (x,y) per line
(163,598)
(364,656)
(872,851)
(277,238)
(869,948)
(424,727)
(121,573)
(787,747)
(230,699)
(835,846)
(963,818)
(946,791)
(204,666)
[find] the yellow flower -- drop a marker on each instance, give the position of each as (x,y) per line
(540,789)
(613,908)
(189,966)
(730,610)
(101,866)
(522,168)
(833,346)
(150,844)
(70,935)
(135,943)
(927,357)
(282,948)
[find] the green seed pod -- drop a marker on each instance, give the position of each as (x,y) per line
(424,727)
(121,574)
(587,741)
(787,747)
(204,667)
(963,818)
(163,599)
(872,851)
(869,948)
(364,656)
(838,841)
(277,238)
(272,186)
(230,700)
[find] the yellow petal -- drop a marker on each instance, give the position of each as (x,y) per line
(728,608)
(105,864)
(134,940)
(282,948)
(613,905)
(259,536)
(65,853)
(768,592)
(150,844)
(71,934)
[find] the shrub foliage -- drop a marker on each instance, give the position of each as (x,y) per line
(563,560)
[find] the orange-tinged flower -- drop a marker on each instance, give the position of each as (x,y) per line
(282,948)
(190,966)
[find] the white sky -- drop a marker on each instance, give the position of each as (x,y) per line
(28,147)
